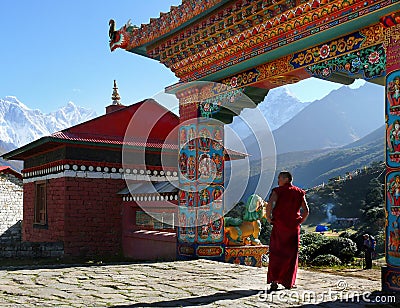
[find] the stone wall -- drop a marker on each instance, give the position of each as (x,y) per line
(11,214)
(18,249)
(10,208)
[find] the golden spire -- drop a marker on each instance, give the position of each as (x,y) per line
(115,95)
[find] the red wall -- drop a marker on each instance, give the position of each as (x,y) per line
(145,244)
(54,231)
(83,213)
(93,217)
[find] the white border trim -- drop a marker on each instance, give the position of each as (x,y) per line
(99,175)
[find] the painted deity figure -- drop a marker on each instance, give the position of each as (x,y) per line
(182,197)
(183,137)
(204,140)
(204,228)
(216,158)
(217,193)
(216,223)
(191,138)
(393,93)
(204,197)
(191,198)
(395,136)
(217,139)
(191,167)
(182,223)
(217,198)
(183,163)
(206,167)
(190,229)
(394,191)
(394,237)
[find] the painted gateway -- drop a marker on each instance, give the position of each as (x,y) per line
(254,46)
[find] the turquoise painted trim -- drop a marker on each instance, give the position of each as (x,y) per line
(315,39)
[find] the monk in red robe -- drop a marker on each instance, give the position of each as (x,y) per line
(286,210)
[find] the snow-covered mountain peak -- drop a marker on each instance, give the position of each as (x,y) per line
(280,92)
(20,125)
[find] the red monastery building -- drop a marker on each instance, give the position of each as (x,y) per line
(107,186)
(75,183)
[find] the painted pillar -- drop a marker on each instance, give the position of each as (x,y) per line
(391,272)
(201,181)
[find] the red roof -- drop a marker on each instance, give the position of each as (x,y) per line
(146,118)
(94,138)
(9,170)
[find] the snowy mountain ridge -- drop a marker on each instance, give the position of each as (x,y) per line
(20,125)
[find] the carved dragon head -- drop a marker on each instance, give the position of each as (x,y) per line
(123,37)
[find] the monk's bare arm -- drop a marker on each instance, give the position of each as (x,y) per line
(304,210)
(270,204)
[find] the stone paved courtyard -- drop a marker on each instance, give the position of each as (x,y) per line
(176,284)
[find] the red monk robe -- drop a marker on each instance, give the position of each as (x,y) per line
(285,235)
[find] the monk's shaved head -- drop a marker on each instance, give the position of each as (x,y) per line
(286,175)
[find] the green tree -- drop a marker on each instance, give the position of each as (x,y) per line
(373,211)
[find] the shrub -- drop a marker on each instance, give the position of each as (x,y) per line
(343,248)
(311,238)
(310,244)
(326,260)
(307,253)
(265,234)
(345,234)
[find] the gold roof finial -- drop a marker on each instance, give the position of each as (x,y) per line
(115,95)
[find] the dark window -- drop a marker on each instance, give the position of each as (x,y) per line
(40,204)
(154,220)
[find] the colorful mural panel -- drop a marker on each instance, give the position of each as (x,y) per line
(391,273)
(393,119)
(187,153)
(210,153)
(187,225)
(393,223)
(369,62)
(332,49)
(391,279)
(210,251)
(210,214)
(186,250)
(188,195)
(246,255)
(201,191)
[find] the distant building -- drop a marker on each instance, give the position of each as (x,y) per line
(346,222)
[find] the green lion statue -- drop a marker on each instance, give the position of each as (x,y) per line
(246,231)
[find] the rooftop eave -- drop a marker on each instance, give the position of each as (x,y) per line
(137,40)
(18,154)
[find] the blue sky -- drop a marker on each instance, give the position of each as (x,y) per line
(53,52)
